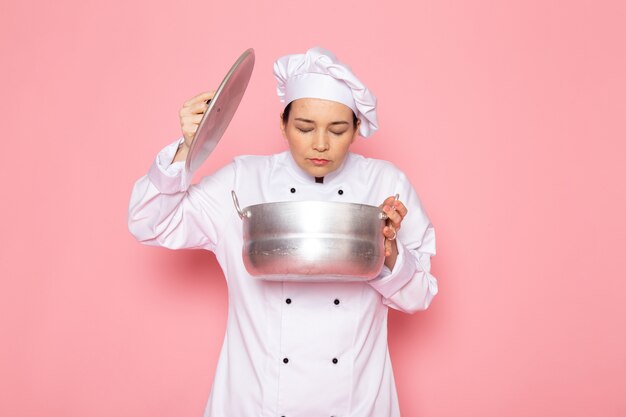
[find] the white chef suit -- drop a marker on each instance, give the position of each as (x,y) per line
(292,349)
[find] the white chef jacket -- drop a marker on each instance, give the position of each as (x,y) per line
(292,349)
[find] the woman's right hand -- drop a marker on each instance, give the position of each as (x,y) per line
(190,116)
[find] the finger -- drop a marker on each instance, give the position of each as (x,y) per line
(210,96)
(390,233)
(387,247)
(389,201)
(202,97)
(194,108)
(400,208)
(195,119)
(393,216)
(396,204)
(197,108)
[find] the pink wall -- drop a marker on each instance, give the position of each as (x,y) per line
(507,116)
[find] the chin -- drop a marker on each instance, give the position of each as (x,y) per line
(321,172)
(315,171)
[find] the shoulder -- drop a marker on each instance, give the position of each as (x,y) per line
(257,160)
(241,165)
(242,169)
(382,179)
(258,165)
(374,167)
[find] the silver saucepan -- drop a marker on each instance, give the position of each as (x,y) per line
(312,240)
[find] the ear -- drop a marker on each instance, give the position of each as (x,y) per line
(282,126)
(356,130)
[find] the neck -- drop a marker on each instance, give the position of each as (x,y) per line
(319,180)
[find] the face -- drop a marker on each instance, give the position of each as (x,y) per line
(319,133)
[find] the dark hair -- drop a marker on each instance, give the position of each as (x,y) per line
(288,109)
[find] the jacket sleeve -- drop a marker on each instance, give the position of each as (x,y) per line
(410,286)
(165,210)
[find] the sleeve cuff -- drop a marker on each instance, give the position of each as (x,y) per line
(168,177)
(390,281)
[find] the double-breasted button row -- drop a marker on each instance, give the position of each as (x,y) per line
(334,360)
(335,301)
(293,191)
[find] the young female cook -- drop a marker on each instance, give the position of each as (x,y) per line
(297,349)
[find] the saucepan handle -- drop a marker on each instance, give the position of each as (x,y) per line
(382,214)
(236,202)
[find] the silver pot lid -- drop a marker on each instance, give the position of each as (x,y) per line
(221,110)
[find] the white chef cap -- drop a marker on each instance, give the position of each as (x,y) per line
(319,74)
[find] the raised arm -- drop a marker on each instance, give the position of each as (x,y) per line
(165,210)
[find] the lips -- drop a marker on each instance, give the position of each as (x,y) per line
(319,162)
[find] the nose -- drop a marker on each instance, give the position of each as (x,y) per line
(321,143)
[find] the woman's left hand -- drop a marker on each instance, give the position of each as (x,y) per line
(395,211)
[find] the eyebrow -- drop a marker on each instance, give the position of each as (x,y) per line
(341,122)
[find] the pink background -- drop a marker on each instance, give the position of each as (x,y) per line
(508,116)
